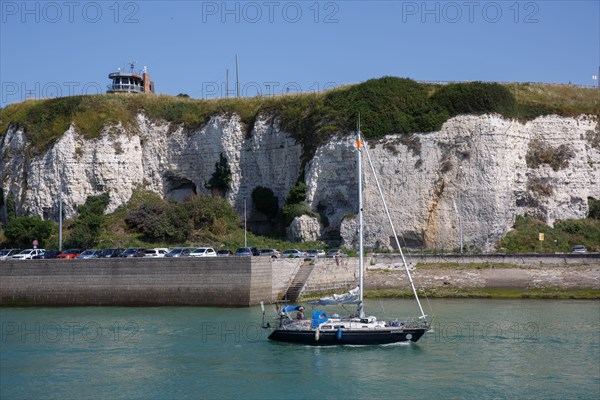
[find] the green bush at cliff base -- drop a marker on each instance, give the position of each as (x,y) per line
(86,227)
(157,220)
(21,231)
(524,238)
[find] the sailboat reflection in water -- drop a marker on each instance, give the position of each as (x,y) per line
(355,329)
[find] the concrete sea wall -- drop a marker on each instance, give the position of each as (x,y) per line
(243,282)
(233,282)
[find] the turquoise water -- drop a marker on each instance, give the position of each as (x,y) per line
(480,349)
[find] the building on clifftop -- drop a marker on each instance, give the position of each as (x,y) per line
(130,82)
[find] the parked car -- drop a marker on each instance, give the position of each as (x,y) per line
(579,249)
(224,253)
(293,253)
(273,253)
(68,254)
(47,255)
(133,252)
(204,252)
(110,253)
(89,254)
(336,253)
(27,254)
(156,252)
(247,252)
(5,254)
(315,253)
(180,252)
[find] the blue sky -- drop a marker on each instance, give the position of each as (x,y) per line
(51,48)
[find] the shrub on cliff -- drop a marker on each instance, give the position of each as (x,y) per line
(157,219)
(173,222)
(475,98)
(296,206)
(540,153)
(87,226)
(22,231)
(594,208)
(211,214)
(565,234)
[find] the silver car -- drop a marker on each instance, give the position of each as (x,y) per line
(273,253)
(293,253)
(5,254)
(89,254)
(315,253)
(180,252)
(204,252)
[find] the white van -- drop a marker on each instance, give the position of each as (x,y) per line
(28,254)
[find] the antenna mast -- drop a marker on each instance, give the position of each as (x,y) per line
(237,76)
(132,66)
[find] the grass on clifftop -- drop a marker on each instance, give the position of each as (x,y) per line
(386,105)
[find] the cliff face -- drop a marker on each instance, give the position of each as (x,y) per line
(477,172)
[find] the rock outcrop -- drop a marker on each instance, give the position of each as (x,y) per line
(474,175)
(304,229)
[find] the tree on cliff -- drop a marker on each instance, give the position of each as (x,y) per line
(594,208)
(220,181)
(296,205)
(87,226)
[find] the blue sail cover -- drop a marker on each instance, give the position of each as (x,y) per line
(318,318)
(288,309)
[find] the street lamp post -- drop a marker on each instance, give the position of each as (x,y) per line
(60,219)
(245,236)
(460,229)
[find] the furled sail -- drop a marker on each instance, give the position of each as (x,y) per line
(347,298)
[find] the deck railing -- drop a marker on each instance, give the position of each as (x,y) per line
(125,88)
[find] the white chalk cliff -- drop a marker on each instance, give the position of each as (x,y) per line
(472,173)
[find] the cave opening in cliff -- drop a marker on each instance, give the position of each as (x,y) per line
(178,188)
(410,240)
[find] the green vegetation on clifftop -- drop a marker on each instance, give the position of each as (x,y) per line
(386,105)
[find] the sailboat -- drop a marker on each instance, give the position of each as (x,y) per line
(356,329)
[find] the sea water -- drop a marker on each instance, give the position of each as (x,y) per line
(479,349)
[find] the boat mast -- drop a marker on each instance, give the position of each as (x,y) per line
(361,312)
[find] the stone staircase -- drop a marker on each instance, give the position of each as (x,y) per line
(297,285)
